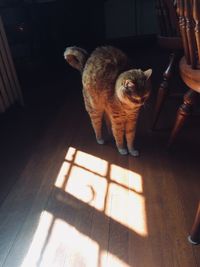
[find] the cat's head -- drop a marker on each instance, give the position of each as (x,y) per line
(133,86)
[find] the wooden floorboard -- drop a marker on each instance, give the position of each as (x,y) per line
(78,204)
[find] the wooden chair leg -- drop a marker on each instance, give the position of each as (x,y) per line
(163,89)
(194,237)
(183,112)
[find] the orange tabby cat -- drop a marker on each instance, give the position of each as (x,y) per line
(111,88)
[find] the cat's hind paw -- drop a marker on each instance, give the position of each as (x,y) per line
(123,151)
(100,141)
(134,152)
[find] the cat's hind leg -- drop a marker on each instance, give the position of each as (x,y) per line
(96,117)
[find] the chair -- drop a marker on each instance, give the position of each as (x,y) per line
(189,67)
(170,40)
(194,237)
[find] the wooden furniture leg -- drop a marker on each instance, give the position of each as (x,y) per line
(163,89)
(183,112)
(194,237)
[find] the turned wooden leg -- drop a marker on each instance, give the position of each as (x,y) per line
(183,112)
(163,89)
(194,237)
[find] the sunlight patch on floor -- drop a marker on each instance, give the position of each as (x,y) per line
(91,163)
(64,245)
(87,186)
(60,180)
(39,238)
(127,208)
(70,154)
(110,188)
(126,177)
(109,260)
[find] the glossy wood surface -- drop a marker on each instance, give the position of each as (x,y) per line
(190,76)
(67,201)
(170,40)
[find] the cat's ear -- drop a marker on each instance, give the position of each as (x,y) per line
(148,73)
(129,84)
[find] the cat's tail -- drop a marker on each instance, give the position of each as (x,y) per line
(76,57)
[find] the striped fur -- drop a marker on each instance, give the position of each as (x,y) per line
(113,90)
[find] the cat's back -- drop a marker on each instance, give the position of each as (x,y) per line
(108,54)
(103,66)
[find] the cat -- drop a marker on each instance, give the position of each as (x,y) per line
(111,89)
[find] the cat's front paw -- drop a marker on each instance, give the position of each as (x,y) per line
(133,152)
(100,141)
(123,151)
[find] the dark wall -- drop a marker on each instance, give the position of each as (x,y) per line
(44,29)
(130,18)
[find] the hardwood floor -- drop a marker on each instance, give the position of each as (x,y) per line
(67,201)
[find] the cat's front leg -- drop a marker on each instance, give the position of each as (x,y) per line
(130,137)
(118,133)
